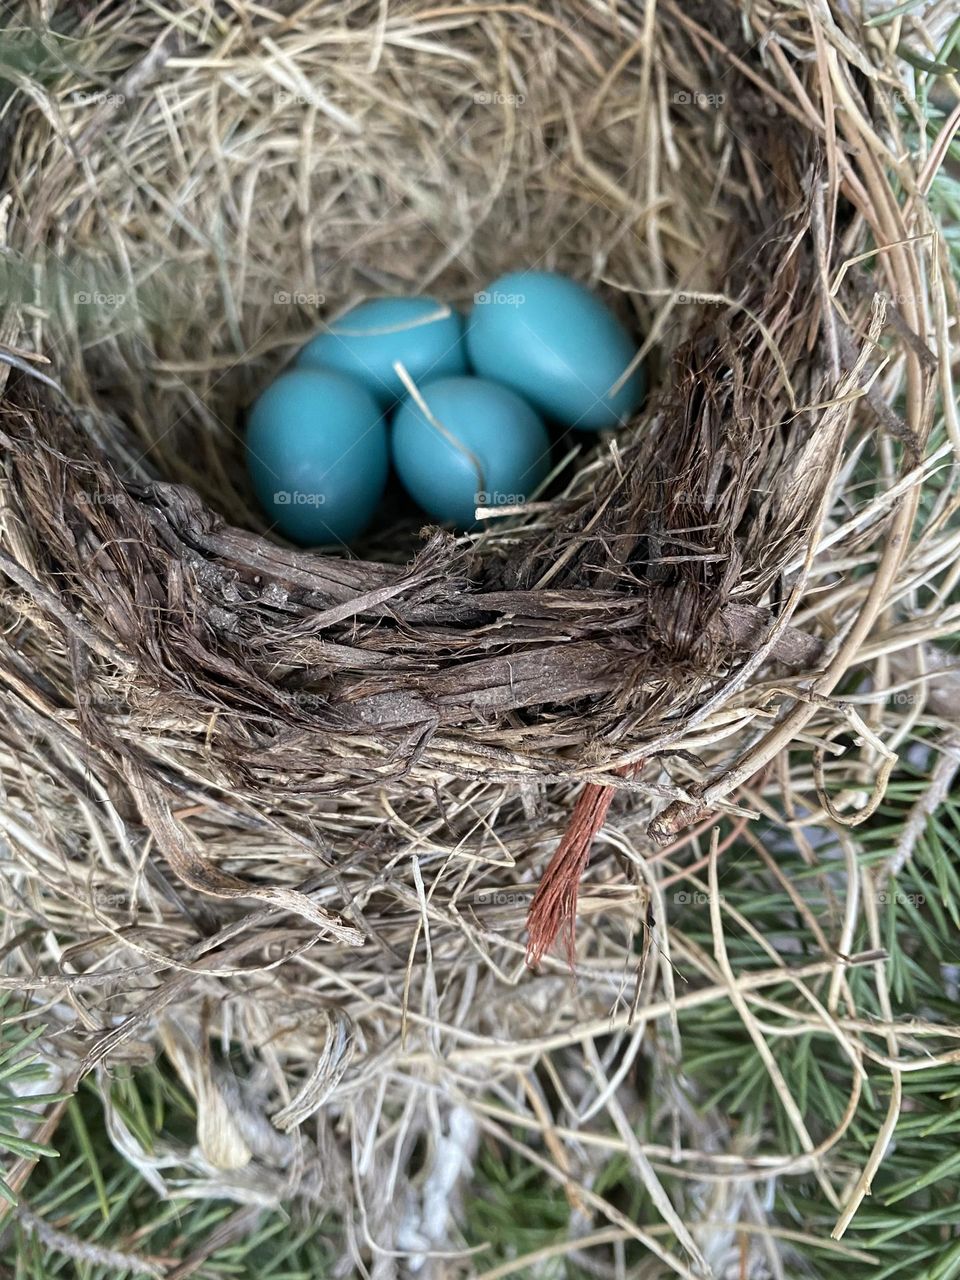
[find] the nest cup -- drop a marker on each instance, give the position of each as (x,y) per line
(301,803)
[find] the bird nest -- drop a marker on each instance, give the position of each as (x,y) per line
(295,807)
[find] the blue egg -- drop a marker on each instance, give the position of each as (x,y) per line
(491,448)
(317,455)
(426,336)
(555,343)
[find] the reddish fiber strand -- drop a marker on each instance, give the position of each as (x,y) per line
(554,905)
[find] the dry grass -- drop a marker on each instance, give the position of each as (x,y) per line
(299,804)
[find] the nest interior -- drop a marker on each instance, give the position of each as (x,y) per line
(299,803)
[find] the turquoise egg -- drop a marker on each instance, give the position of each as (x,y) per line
(491,448)
(426,336)
(555,343)
(317,455)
